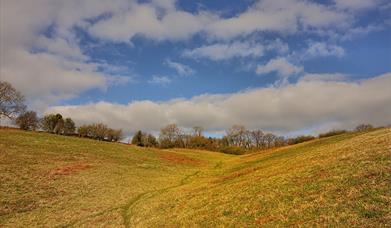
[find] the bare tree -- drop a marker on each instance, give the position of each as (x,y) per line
(280,141)
(237,135)
(27,120)
(270,140)
(117,135)
(198,131)
(99,131)
(170,136)
(257,138)
(11,101)
(364,127)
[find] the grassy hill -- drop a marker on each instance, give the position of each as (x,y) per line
(50,180)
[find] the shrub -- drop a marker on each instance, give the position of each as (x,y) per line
(83,131)
(364,127)
(300,139)
(332,133)
(99,131)
(69,126)
(166,143)
(233,150)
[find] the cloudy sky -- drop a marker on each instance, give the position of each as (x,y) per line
(286,66)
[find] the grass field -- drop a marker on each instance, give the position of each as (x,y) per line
(57,181)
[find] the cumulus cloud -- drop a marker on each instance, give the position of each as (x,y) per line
(279,16)
(148,20)
(180,68)
(49,68)
(277,46)
(52,67)
(321,49)
(223,51)
(356,4)
(281,109)
(325,77)
(145,20)
(49,77)
(155,19)
(361,31)
(281,66)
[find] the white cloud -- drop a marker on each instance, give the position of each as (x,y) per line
(279,16)
(284,109)
(49,68)
(223,51)
(161,80)
(146,19)
(356,4)
(326,77)
(360,31)
(277,46)
(321,49)
(61,47)
(45,78)
(281,66)
(180,68)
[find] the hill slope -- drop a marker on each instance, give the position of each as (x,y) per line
(49,180)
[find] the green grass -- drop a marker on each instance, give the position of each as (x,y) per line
(57,181)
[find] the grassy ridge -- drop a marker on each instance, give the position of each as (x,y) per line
(64,181)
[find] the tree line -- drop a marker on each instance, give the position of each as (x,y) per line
(12,106)
(56,124)
(237,139)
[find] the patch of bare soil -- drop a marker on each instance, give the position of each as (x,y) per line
(69,169)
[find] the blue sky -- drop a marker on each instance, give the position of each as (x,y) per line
(144,64)
(364,57)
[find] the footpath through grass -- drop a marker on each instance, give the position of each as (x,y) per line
(50,180)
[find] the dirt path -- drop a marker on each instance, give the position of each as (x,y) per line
(127,209)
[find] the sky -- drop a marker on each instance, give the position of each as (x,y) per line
(285,66)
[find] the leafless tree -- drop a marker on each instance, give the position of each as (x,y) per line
(170,136)
(236,135)
(270,140)
(198,131)
(364,127)
(257,138)
(11,101)
(27,120)
(171,132)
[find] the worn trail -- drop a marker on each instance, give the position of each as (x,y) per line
(127,209)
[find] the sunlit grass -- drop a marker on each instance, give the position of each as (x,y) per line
(49,180)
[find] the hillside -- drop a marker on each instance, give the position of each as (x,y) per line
(50,180)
